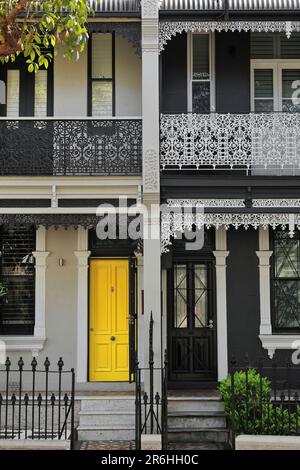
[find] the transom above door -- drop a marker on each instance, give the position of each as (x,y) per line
(191,323)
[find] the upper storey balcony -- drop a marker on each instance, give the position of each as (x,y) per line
(78,118)
(230,94)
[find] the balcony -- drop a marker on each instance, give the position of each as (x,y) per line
(256,143)
(61,147)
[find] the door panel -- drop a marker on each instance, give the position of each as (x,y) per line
(109,312)
(192,329)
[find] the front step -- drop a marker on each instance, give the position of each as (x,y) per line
(102,433)
(196,420)
(107,418)
(199,436)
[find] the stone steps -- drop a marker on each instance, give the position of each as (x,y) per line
(106,418)
(196,421)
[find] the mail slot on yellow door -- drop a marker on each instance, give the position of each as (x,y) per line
(109,311)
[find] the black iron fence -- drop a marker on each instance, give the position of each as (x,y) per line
(262,399)
(60,147)
(37,403)
(151,404)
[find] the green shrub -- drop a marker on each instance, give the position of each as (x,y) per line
(252,411)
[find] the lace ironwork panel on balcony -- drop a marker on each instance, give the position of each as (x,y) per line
(70,147)
(231,141)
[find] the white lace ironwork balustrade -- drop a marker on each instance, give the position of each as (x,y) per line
(232,141)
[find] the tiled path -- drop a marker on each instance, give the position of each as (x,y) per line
(106,445)
(129,445)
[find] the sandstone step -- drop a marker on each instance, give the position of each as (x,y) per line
(105,418)
(197,419)
(118,404)
(105,433)
(195,404)
(198,435)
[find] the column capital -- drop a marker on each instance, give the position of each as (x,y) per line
(82,257)
(40,257)
(264,258)
(221,257)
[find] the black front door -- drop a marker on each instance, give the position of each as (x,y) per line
(191,324)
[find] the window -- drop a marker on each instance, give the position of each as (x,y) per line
(200,73)
(275,69)
(190,296)
(40,93)
(286,281)
(18,276)
(101,75)
(275,86)
(26,94)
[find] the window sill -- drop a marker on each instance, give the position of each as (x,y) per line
(35,344)
(274,342)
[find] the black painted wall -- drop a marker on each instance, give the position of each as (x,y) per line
(243,304)
(233,72)
(243,301)
(174,76)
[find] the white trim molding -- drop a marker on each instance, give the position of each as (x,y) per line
(271,342)
(34,344)
(168,29)
(82,254)
(274,342)
(221,256)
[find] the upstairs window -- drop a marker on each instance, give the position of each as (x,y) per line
(200,73)
(17,308)
(26,94)
(275,72)
(285,287)
(101,75)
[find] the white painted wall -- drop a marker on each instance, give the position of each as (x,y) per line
(70,87)
(71,83)
(128,79)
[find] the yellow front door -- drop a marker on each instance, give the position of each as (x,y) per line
(109,312)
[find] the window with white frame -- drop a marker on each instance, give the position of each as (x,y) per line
(101,75)
(200,73)
(275,73)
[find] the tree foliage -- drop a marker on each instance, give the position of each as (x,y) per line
(38,29)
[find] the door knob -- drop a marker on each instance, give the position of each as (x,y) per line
(211,324)
(113,338)
(91,329)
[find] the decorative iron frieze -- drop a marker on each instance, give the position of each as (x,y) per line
(169,29)
(71,147)
(231,141)
(178,222)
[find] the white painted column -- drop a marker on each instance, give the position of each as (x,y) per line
(151,180)
(264,254)
(40,256)
(82,255)
(221,255)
